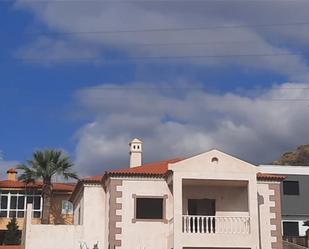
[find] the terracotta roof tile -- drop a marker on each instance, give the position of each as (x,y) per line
(10,247)
(148,169)
(270,177)
(97,178)
(19,184)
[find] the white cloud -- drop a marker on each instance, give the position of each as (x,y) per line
(94,16)
(182,123)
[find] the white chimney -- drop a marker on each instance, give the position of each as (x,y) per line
(135,153)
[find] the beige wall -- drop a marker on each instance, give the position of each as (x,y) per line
(225,168)
(269,211)
(56,216)
(229,200)
(92,230)
(143,234)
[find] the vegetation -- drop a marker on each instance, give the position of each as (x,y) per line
(12,235)
(298,157)
(45,165)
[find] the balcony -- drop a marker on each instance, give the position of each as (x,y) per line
(215,213)
(215,224)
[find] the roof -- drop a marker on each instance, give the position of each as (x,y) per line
(10,247)
(66,187)
(284,169)
(270,177)
(149,169)
(158,169)
(136,140)
(154,169)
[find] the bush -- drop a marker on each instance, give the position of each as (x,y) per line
(12,235)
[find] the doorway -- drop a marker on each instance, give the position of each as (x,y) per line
(202,207)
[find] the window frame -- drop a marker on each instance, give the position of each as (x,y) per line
(67,212)
(284,187)
(10,194)
(164,198)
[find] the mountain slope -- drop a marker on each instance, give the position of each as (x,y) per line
(298,157)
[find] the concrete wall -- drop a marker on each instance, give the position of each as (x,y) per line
(143,234)
(269,215)
(94,214)
(78,208)
(50,236)
(90,232)
(230,201)
(214,165)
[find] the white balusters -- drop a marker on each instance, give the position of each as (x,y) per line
(216,224)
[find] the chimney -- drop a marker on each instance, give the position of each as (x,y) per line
(11,174)
(135,153)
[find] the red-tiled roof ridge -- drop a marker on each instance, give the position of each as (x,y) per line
(270,177)
(96,178)
(153,168)
(38,184)
(10,246)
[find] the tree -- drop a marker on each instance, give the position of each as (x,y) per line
(12,235)
(44,165)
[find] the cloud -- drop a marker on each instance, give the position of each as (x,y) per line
(79,17)
(54,50)
(176,121)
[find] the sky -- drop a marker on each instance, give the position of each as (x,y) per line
(184,76)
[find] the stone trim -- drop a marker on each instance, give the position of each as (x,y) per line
(164,197)
(114,205)
(276,211)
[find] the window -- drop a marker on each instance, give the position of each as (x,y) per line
(290,228)
(149,208)
(79,216)
(67,207)
(290,187)
(14,204)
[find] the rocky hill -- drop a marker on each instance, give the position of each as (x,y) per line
(298,157)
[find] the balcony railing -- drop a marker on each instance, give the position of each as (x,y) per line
(216,224)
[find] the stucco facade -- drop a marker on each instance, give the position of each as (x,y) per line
(212,200)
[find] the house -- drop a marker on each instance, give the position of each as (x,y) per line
(15,195)
(211,200)
(294,200)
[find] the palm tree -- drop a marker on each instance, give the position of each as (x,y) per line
(44,165)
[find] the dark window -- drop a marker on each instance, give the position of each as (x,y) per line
(290,187)
(13,204)
(149,208)
(21,202)
(290,228)
(4,202)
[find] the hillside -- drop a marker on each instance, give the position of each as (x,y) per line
(298,157)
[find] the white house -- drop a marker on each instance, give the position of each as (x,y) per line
(211,200)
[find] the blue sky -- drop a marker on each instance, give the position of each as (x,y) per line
(184,106)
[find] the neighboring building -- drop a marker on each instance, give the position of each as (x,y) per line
(15,195)
(211,200)
(294,197)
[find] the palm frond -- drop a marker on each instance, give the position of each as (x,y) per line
(45,164)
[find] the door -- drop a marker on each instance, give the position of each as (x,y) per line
(202,207)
